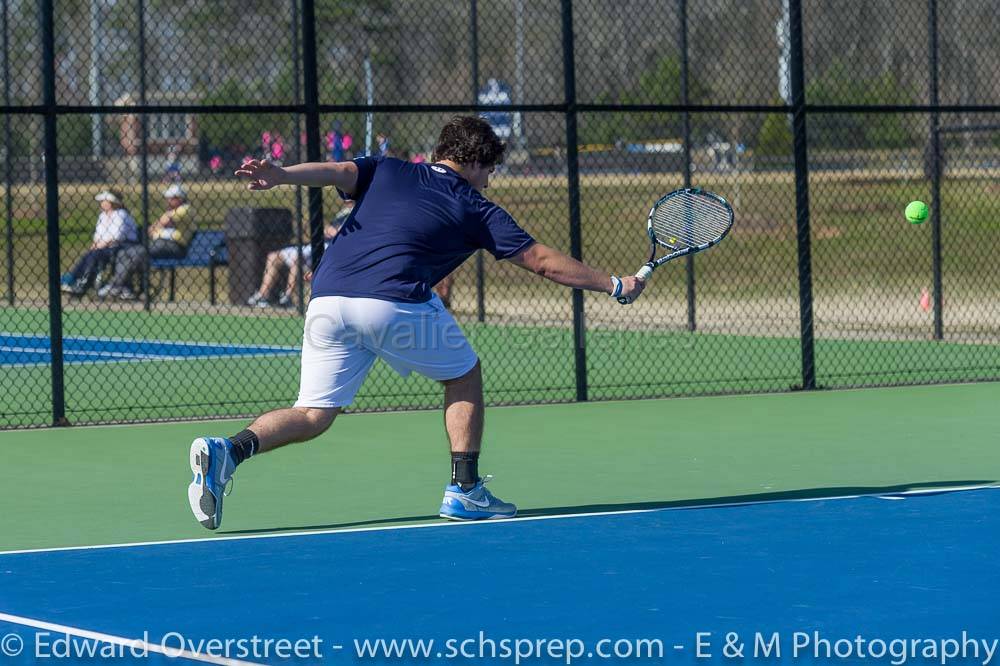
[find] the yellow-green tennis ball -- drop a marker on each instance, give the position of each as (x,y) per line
(916,212)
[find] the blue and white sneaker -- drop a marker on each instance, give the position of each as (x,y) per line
(213,467)
(477,504)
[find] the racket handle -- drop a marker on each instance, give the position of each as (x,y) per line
(643,274)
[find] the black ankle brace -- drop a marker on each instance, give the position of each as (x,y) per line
(465,469)
(245,444)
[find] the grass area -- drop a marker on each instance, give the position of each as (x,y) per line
(860,239)
(521,364)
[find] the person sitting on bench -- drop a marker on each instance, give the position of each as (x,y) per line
(288,257)
(168,239)
(115,231)
(170,235)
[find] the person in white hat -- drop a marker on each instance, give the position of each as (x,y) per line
(115,229)
(168,239)
(170,234)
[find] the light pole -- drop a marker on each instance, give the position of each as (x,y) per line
(519,71)
(7,162)
(370,96)
(783,29)
(94,79)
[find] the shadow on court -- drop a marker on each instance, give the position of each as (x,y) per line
(722,501)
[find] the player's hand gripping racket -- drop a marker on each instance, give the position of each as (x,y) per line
(684,222)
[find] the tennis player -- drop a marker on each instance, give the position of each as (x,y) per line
(412,225)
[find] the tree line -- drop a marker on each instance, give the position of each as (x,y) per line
(420,52)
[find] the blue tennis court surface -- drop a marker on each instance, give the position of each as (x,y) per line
(22,350)
(920,568)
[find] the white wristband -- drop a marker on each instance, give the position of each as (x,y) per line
(616,286)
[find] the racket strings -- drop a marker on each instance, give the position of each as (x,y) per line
(690,220)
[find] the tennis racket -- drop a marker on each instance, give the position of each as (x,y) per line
(684,222)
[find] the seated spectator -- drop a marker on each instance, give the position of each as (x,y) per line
(170,234)
(288,257)
(168,239)
(115,231)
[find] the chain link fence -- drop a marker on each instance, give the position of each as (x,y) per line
(181,294)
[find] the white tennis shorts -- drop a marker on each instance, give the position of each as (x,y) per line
(344,335)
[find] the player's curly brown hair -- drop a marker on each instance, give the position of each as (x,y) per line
(469,140)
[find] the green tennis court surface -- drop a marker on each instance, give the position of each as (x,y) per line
(521,363)
(115,484)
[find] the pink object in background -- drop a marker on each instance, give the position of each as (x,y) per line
(925,300)
(277,148)
(214,163)
(346,141)
(265,138)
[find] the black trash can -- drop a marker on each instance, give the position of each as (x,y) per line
(250,234)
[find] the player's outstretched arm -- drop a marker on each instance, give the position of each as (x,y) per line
(553,265)
(263,175)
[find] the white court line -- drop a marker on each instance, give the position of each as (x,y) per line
(129,355)
(186,343)
(81,352)
(136,643)
(137,359)
(253,351)
(482,523)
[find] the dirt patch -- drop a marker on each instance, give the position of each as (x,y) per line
(854,206)
(31,210)
(755,226)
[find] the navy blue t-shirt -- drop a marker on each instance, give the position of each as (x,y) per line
(411,226)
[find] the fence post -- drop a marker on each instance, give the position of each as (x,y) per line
(297,151)
(474,56)
(686,131)
(8,163)
(144,154)
(935,169)
(802,196)
(45,13)
(310,86)
(573,178)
